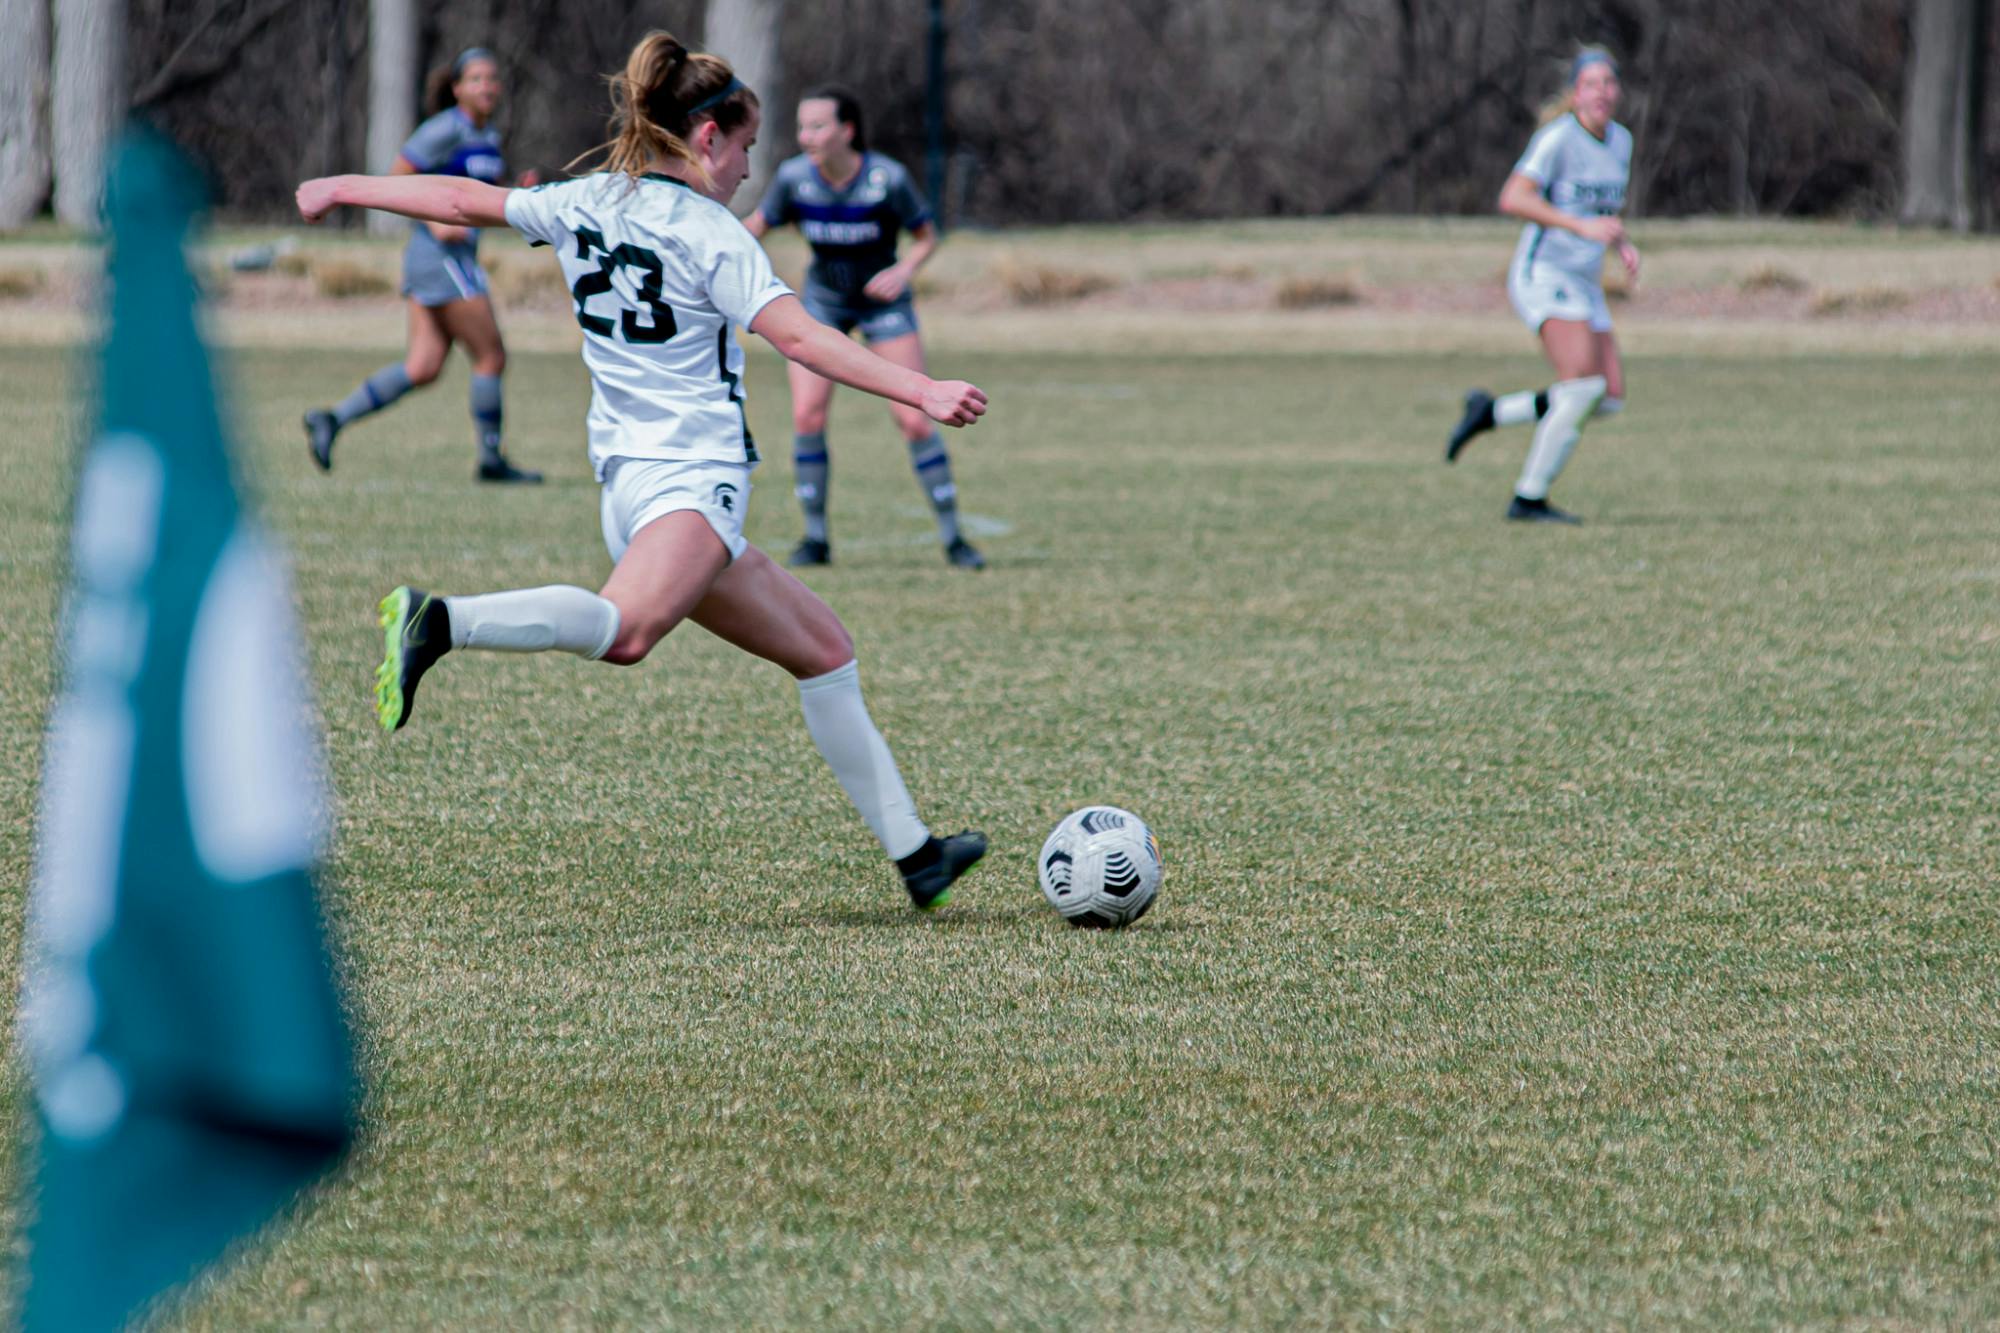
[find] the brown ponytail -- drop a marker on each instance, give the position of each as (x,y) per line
(437,91)
(659,98)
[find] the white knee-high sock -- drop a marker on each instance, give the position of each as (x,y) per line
(1518,409)
(534,620)
(1570,403)
(860,758)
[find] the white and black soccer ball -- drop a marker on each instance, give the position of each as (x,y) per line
(1101,867)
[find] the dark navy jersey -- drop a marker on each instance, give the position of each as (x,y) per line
(449,144)
(852,230)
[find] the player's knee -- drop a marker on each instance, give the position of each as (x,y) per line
(422,370)
(636,638)
(830,650)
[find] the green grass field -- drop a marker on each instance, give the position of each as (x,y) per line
(1588,926)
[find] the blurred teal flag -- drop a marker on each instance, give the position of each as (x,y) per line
(190,1057)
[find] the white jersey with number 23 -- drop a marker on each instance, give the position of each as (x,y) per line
(659,275)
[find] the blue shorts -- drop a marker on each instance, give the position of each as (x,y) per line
(435,275)
(878,321)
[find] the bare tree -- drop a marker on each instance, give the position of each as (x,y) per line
(24,110)
(1943,113)
(745,33)
(392,90)
(88,103)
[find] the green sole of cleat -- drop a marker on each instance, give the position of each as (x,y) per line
(936,902)
(391,612)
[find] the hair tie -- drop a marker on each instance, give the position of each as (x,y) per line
(715,99)
(1585,59)
(466,57)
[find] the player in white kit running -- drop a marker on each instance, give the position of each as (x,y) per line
(661,272)
(1569,187)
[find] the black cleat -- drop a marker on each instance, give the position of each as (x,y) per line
(963,554)
(320,430)
(496,468)
(929,871)
(810,552)
(1478,417)
(416,632)
(1538,511)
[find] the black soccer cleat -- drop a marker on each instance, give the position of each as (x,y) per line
(496,468)
(1538,511)
(963,555)
(1478,417)
(416,631)
(810,551)
(929,871)
(320,430)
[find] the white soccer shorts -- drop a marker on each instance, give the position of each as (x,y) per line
(639,490)
(1541,293)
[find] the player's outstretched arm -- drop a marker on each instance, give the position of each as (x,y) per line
(453,200)
(799,337)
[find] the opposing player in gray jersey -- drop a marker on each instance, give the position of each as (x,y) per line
(1569,187)
(851,205)
(442,279)
(661,273)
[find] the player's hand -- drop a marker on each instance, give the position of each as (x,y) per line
(887,285)
(528,179)
(1628,255)
(954,402)
(1601,231)
(316,198)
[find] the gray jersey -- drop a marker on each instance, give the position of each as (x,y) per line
(1584,177)
(852,230)
(449,144)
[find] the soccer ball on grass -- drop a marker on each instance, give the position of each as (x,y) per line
(1101,867)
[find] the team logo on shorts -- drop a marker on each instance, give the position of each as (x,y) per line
(725,497)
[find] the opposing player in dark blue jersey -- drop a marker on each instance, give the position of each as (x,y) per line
(851,204)
(442,279)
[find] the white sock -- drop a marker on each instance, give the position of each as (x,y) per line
(534,620)
(1515,409)
(860,758)
(1608,406)
(1570,402)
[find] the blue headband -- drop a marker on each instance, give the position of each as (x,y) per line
(466,57)
(715,99)
(1585,59)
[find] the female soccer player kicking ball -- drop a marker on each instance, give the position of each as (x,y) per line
(1569,188)
(660,271)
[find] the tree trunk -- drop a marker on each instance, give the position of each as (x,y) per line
(24,111)
(88,104)
(1943,108)
(392,92)
(745,33)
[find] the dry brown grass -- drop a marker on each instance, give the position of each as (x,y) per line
(292,265)
(19,282)
(1873,300)
(344,279)
(1770,278)
(1318,290)
(1046,284)
(534,281)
